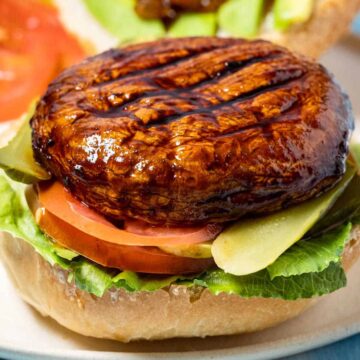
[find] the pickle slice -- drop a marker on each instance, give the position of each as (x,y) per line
(251,245)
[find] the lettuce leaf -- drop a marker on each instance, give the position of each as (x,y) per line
(289,288)
(17,219)
(312,255)
(133,282)
(91,278)
(22,167)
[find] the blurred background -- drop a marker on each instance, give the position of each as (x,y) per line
(344,60)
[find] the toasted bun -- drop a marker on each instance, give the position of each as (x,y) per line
(330,20)
(175,312)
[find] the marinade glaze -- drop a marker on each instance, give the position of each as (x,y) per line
(195,130)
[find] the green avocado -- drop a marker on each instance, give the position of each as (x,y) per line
(253,244)
(119,18)
(288,12)
(17,158)
(194,24)
(241,17)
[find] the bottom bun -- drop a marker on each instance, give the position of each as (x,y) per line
(174,312)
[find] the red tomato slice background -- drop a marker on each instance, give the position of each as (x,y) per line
(58,201)
(144,259)
(34,47)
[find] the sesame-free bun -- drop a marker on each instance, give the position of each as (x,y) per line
(177,311)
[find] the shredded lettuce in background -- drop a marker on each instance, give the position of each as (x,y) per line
(121,20)
(316,272)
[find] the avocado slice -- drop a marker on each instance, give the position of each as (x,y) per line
(17,158)
(252,244)
(241,17)
(288,12)
(119,18)
(194,24)
(196,251)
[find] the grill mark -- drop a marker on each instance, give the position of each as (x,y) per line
(151,72)
(173,62)
(291,110)
(263,124)
(229,69)
(238,100)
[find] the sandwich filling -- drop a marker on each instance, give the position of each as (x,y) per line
(286,190)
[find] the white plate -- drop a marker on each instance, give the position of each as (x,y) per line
(26,335)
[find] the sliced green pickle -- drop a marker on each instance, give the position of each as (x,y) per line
(194,24)
(241,17)
(119,18)
(17,158)
(251,245)
(289,12)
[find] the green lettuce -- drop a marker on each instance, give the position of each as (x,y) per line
(23,167)
(17,219)
(133,282)
(289,288)
(312,255)
(91,278)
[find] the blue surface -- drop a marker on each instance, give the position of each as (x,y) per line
(348,349)
(356,25)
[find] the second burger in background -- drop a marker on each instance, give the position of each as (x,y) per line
(307,26)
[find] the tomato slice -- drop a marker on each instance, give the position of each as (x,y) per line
(57,200)
(134,258)
(34,47)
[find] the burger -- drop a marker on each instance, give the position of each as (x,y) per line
(308,26)
(185,187)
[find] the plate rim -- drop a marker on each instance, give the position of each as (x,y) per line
(275,349)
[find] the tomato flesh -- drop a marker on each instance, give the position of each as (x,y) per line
(142,259)
(135,232)
(34,47)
